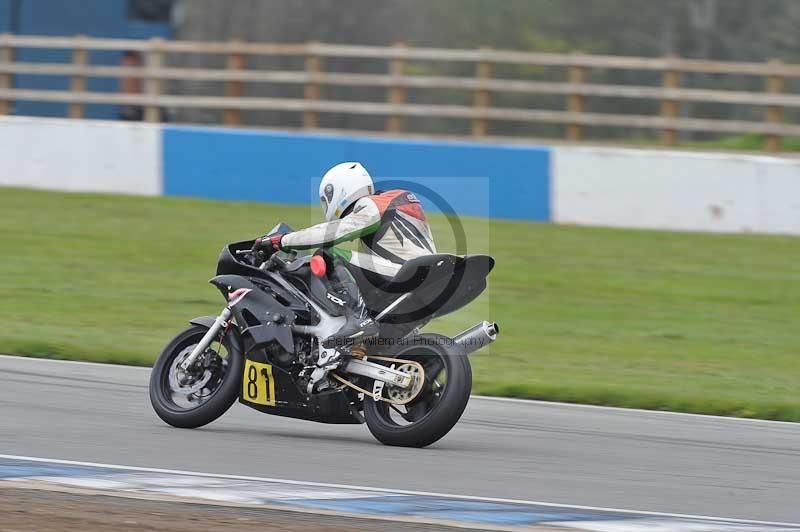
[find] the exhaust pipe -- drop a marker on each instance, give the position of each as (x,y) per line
(477,336)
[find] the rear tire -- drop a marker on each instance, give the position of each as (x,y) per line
(220,400)
(444,414)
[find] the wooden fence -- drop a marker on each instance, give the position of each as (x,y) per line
(573,85)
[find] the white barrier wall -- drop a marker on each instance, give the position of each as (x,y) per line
(675,190)
(80,155)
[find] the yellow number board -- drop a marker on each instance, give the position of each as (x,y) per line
(258,385)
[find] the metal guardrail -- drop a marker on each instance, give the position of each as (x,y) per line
(397,81)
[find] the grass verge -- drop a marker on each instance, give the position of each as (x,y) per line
(658,320)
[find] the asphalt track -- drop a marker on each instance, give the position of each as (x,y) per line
(554,453)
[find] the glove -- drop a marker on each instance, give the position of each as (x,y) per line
(272,243)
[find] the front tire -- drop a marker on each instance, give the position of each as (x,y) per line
(218,385)
(438,407)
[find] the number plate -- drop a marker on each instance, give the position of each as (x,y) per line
(258,386)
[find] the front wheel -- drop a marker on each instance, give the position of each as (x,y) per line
(440,403)
(193,398)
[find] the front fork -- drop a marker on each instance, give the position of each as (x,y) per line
(219,324)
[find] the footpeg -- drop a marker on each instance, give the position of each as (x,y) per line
(329,358)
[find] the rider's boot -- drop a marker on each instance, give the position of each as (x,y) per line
(359,326)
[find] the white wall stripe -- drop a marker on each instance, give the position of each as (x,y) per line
(81,155)
(685,191)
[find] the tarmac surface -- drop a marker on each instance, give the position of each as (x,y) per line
(522,450)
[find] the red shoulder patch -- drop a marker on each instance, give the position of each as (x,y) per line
(384,199)
(412,209)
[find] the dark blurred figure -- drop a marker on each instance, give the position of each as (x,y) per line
(131,85)
(150,10)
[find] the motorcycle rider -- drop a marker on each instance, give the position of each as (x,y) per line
(391,227)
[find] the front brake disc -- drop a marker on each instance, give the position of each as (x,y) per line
(183,382)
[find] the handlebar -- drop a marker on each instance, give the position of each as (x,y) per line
(252,257)
(267,258)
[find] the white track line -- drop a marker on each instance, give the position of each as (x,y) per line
(623,410)
(75,362)
(399,492)
(535,402)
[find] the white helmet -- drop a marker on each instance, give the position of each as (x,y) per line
(343,185)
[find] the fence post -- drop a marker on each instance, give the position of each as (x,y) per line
(312,90)
(397,94)
(482,99)
(775,85)
(80,57)
(576,103)
(233,89)
(670,109)
(6,79)
(155,58)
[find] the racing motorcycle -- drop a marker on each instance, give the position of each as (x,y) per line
(266,347)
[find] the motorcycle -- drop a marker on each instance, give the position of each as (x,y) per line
(266,347)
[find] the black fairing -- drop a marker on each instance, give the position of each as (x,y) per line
(264,317)
(228,264)
(329,406)
(261,318)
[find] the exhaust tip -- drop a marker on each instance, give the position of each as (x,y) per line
(478,336)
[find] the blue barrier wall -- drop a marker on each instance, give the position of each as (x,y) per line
(474,179)
(94,18)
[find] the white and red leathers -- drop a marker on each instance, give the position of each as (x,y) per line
(391,226)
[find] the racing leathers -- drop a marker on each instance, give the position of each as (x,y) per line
(392,228)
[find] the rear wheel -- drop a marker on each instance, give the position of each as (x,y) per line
(439,404)
(198,396)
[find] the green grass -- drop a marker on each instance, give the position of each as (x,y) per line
(750,142)
(690,322)
(744,143)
